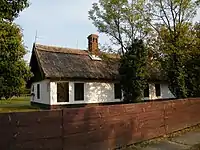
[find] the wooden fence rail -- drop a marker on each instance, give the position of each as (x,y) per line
(98,127)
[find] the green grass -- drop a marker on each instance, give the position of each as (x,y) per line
(16,104)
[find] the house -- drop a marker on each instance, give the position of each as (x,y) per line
(64,76)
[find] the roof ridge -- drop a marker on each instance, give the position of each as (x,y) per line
(57,49)
(62,47)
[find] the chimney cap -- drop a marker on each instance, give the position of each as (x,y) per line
(93,35)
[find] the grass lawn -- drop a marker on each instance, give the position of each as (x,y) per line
(16,104)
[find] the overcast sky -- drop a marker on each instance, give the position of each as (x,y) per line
(64,23)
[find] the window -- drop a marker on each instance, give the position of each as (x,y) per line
(146,91)
(118,92)
(38,91)
(63,92)
(157,87)
(79,91)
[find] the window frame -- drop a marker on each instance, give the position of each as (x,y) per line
(75,92)
(38,91)
(117,96)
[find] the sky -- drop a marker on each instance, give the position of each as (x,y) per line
(64,23)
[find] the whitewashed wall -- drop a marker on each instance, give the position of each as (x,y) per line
(165,92)
(44,92)
(94,92)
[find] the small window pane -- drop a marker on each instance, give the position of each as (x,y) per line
(79,91)
(146,91)
(63,92)
(38,91)
(157,87)
(118,92)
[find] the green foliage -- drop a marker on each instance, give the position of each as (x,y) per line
(166,27)
(14,71)
(171,14)
(181,59)
(171,21)
(192,76)
(120,20)
(133,71)
(10,9)
(192,64)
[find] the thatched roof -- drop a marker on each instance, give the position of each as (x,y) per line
(57,62)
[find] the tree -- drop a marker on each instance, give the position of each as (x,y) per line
(185,66)
(133,71)
(10,9)
(120,20)
(192,64)
(170,19)
(14,71)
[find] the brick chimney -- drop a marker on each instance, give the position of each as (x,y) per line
(93,44)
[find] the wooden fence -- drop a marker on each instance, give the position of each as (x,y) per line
(98,127)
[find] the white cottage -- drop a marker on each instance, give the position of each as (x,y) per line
(64,76)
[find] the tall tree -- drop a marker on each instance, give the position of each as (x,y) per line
(14,71)
(120,20)
(170,19)
(133,71)
(192,64)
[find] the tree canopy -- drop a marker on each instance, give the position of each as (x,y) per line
(120,21)
(133,71)
(10,9)
(167,30)
(14,71)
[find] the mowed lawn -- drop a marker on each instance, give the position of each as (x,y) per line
(16,104)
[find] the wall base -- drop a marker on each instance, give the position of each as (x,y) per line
(49,107)
(40,105)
